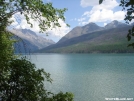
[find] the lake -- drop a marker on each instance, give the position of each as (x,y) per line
(90,77)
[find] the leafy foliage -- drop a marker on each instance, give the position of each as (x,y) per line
(20,80)
(63,97)
(6,54)
(6,49)
(100,1)
(45,14)
(23,82)
(129,5)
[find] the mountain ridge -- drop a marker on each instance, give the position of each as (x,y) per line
(30,39)
(80,30)
(114,34)
(114,24)
(90,27)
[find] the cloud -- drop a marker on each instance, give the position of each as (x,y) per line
(105,24)
(101,13)
(53,33)
(21,23)
(106,15)
(85,3)
(58,32)
(105,4)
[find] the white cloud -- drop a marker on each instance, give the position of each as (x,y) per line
(54,34)
(101,13)
(119,15)
(105,24)
(58,32)
(21,23)
(106,15)
(85,3)
(105,4)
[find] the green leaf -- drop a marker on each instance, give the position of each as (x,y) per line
(128,37)
(100,1)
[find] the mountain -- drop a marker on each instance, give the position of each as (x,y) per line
(78,31)
(91,27)
(115,24)
(132,24)
(102,40)
(29,41)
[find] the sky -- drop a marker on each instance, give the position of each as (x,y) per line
(79,13)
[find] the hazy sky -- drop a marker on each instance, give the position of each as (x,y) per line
(79,13)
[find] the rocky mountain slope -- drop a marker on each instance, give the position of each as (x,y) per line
(109,39)
(78,31)
(115,24)
(29,41)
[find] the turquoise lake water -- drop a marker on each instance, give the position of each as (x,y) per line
(91,77)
